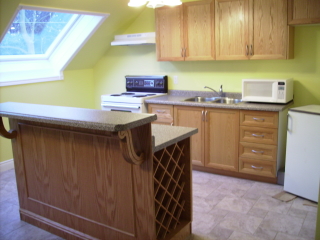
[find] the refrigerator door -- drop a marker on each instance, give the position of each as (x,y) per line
(302,172)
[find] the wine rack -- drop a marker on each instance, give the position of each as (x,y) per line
(171,188)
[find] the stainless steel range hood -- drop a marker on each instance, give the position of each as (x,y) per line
(134,39)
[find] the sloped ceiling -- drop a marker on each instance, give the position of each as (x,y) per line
(121,16)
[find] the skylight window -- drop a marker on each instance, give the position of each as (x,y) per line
(39,43)
(33,32)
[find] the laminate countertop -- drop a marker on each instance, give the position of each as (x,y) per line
(176,97)
(112,121)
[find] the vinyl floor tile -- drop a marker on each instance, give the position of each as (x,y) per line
(224,208)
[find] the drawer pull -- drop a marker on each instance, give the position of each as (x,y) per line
(202,114)
(257,135)
(258,119)
(254,167)
(161,111)
(254,151)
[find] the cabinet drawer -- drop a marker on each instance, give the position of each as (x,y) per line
(164,113)
(259,135)
(258,151)
(257,167)
(259,119)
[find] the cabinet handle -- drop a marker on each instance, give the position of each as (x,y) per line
(182,52)
(202,115)
(254,167)
(171,124)
(254,151)
(251,50)
(185,52)
(256,135)
(258,119)
(205,116)
(247,50)
(161,111)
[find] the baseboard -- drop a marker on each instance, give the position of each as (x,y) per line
(6,165)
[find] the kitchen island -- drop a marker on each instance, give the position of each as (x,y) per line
(92,174)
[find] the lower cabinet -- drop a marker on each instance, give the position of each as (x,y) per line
(239,143)
(216,144)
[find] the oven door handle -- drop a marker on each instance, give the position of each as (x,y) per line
(119,105)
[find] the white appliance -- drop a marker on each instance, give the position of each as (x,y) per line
(267,90)
(139,88)
(302,171)
(134,39)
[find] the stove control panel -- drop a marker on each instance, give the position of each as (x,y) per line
(157,84)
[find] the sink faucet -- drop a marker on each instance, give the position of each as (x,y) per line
(220,93)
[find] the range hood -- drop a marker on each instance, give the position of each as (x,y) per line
(134,39)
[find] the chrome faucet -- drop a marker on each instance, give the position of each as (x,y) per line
(220,93)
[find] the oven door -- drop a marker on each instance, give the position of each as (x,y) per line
(123,107)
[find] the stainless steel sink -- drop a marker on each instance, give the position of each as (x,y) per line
(228,100)
(223,100)
(201,99)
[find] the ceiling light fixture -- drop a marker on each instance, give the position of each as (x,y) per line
(154,3)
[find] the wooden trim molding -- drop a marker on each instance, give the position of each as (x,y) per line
(4,133)
(128,152)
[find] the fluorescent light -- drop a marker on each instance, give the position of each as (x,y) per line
(137,3)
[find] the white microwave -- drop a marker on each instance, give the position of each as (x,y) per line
(267,90)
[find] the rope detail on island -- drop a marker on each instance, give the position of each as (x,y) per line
(128,152)
(4,133)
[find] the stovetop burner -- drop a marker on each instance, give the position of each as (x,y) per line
(138,96)
(127,93)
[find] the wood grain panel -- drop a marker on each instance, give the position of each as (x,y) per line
(303,12)
(192,117)
(199,30)
(257,167)
(169,34)
(221,139)
(259,135)
(231,29)
(59,175)
(258,151)
(269,32)
(71,182)
(164,113)
(259,119)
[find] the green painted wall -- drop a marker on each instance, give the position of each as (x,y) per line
(76,90)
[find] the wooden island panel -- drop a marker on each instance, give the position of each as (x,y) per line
(78,184)
(82,183)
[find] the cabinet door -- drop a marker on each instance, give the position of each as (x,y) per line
(169,25)
(192,117)
(303,12)
(231,29)
(222,139)
(269,30)
(198,20)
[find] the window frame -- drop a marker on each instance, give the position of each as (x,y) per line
(49,66)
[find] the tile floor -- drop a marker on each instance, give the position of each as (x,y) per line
(224,208)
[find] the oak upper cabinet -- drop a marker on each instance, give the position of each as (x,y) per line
(185,32)
(192,117)
(232,29)
(303,12)
(252,29)
(169,33)
(221,138)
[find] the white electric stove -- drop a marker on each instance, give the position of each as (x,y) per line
(139,88)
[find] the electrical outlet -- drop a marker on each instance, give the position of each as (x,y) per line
(175,80)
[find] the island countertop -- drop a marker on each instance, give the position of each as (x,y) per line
(75,117)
